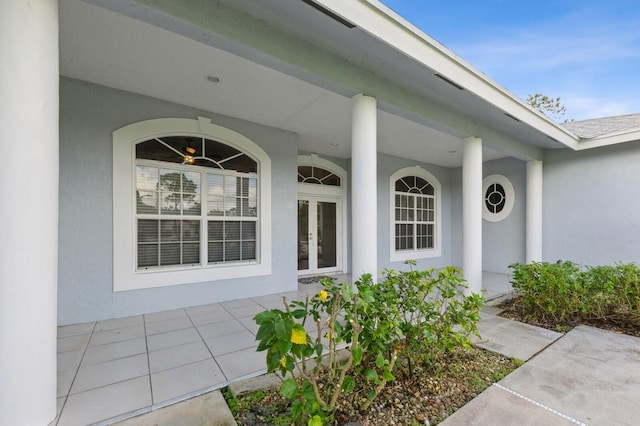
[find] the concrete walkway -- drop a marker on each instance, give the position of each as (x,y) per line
(586,377)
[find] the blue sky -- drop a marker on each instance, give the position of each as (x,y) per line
(585,51)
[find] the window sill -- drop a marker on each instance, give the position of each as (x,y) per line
(397,256)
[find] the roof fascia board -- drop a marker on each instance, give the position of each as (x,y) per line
(611,139)
(387,26)
(258,35)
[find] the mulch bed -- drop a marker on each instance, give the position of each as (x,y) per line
(621,325)
(425,398)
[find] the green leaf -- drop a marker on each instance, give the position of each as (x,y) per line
(281,330)
(265,331)
(307,391)
(356,353)
(380,361)
(371,375)
(348,384)
(319,349)
(296,408)
(315,421)
(289,389)
(264,316)
(299,313)
(387,375)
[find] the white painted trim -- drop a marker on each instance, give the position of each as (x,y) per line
(533,219)
(306,189)
(380,22)
(610,139)
(396,256)
(510,198)
(125,276)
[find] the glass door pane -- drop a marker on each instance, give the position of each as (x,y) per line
(303,235)
(326,234)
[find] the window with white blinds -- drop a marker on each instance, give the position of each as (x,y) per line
(196,203)
(415,212)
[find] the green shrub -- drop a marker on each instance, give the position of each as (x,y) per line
(564,292)
(411,314)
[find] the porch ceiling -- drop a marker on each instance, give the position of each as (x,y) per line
(107,47)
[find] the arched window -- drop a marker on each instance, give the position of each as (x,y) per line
(415,214)
(200,202)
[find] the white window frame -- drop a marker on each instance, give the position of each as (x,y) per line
(125,275)
(402,255)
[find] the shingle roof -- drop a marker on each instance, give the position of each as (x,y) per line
(588,129)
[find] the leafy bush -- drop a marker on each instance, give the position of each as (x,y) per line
(564,292)
(424,314)
(411,314)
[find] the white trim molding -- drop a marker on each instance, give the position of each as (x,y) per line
(125,276)
(509,198)
(396,256)
(339,193)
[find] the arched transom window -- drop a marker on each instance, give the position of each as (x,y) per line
(415,231)
(317,175)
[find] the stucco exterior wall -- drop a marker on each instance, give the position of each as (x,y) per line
(387,165)
(592,204)
(88,115)
(503,243)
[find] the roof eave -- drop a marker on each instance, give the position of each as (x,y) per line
(384,24)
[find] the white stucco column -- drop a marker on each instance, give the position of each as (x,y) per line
(472,214)
(534,212)
(28,210)
(364,188)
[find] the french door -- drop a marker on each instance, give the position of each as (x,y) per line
(319,234)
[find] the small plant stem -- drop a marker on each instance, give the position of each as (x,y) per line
(383,382)
(314,385)
(338,389)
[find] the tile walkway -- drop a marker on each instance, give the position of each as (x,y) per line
(114,369)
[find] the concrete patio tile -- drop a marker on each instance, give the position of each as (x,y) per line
(589,374)
(512,338)
(242,363)
(69,360)
(231,342)
(172,338)
(63,384)
(76,329)
(496,406)
(112,351)
(185,380)
(106,402)
(222,328)
(165,315)
(211,317)
(73,343)
(249,324)
(116,335)
(204,309)
(209,409)
(106,373)
(246,311)
(237,303)
(59,403)
(175,356)
(118,323)
(168,325)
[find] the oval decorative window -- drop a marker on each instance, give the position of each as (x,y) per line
(498,198)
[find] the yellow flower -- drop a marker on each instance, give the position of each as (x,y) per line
(298,336)
(283,361)
(323,295)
